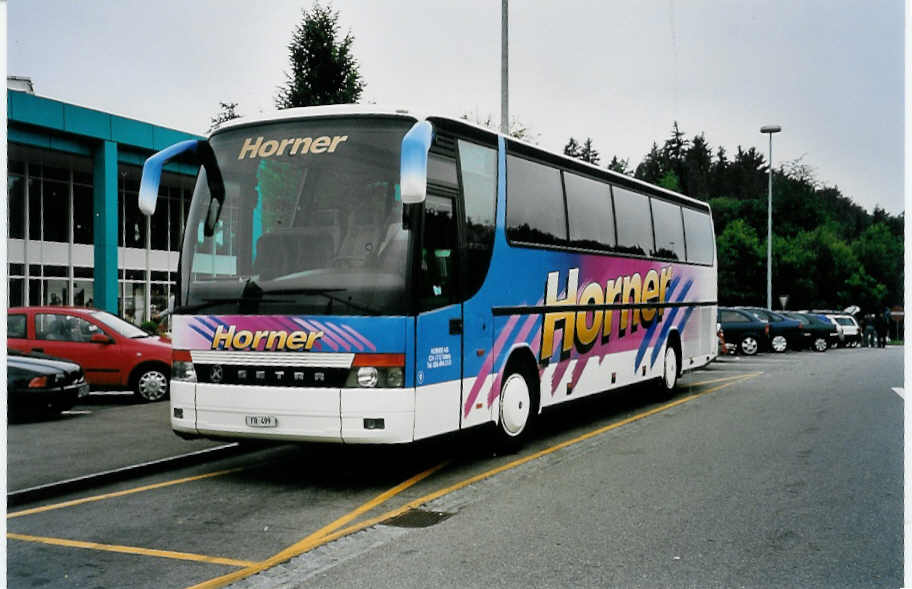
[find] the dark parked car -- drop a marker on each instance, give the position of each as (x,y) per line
(41,384)
(745,330)
(817,332)
(114,354)
(785,332)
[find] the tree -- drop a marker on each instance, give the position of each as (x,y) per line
(323,68)
(227,111)
(572,148)
(741,263)
(697,168)
(621,166)
(518,130)
(651,169)
(588,153)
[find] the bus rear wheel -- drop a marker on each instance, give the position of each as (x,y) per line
(517,412)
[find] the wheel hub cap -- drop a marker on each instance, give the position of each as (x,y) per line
(514,405)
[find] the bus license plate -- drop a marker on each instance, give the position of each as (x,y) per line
(262,421)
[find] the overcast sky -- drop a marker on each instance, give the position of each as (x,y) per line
(830,72)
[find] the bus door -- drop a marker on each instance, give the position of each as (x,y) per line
(438,370)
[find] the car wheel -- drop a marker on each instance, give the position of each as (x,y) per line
(820,344)
(749,345)
(779,344)
(151,385)
(516,412)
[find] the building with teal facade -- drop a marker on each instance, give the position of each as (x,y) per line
(76,235)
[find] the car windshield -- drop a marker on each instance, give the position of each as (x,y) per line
(312,221)
(124,328)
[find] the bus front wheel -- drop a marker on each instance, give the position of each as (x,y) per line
(517,412)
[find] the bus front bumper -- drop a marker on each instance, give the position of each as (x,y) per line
(356,416)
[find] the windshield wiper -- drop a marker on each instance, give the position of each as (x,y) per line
(326,293)
(212,302)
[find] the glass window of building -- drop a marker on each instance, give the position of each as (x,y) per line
(15,190)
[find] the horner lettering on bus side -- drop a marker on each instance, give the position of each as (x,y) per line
(582,328)
(259,147)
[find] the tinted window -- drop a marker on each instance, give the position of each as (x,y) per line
(66,328)
(535,204)
(591,213)
(634,225)
(701,246)
(438,280)
(15,326)
(479,187)
(731,317)
(669,230)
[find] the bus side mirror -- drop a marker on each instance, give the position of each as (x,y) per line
(413,166)
(151,178)
(151,174)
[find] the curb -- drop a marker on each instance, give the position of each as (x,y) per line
(118,474)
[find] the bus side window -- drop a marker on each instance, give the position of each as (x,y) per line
(437,283)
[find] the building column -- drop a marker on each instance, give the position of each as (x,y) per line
(104,225)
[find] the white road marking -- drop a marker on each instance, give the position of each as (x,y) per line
(900,392)
(76,412)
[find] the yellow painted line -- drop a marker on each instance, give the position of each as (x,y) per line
(131,550)
(313,541)
(119,493)
(701,383)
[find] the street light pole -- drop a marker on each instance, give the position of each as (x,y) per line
(504,71)
(769,129)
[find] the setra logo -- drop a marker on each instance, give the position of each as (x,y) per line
(254,148)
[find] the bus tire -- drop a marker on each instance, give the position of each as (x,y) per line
(671,370)
(517,411)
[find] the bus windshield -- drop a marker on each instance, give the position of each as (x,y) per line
(311,222)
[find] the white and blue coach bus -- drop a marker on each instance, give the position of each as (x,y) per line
(356,275)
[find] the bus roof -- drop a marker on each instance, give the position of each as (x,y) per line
(369,110)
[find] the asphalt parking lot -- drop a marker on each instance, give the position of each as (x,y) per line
(775,470)
(104,432)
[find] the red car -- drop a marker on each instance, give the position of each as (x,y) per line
(113,353)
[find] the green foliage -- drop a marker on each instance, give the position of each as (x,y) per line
(323,68)
(741,259)
(227,111)
(518,130)
(827,250)
(621,166)
(588,153)
(670,181)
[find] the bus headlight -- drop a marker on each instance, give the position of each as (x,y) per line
(377,371)
(368,377)
(182,366)
(395,377)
